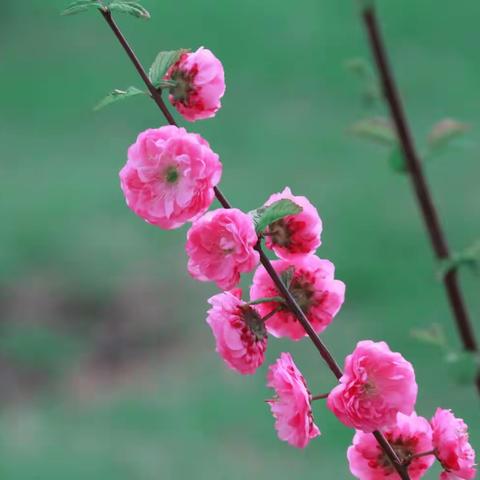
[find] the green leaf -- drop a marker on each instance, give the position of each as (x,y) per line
(445,132)
(433,335)
(287,276)
(376,129)
(397,160)
(371,93)
(119,95)
(469,257)
(463,366)
(264,216)
(81,6)
(132,8)
(162,62)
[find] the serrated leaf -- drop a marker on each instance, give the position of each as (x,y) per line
(433,335)
(163,61)
(444,133)
(132,8)
(116,95)
(376,129)
(81,6)
(287,276)
(396,160)
(264,216)
(470,257)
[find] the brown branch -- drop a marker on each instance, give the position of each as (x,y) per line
(420,186)
(289,299)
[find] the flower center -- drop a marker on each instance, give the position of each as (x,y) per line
(183,85)
(403,449)
(280,233)
(369,387)
(303,293)
(254,322)
(171,174)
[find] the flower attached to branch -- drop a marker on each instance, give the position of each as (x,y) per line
(313,286)
(376,384)
(291,407)
(169,177)
(410,437)
(294,235)
(241,338)
(450,440)
(220,246)
(199,84)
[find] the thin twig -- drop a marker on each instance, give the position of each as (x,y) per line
(422,191)
(289,299)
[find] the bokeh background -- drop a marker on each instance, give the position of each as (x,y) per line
(107,368)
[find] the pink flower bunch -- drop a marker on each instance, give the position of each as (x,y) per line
(376,385)
(199,84)
(291,407)
(239,332)
(169,177)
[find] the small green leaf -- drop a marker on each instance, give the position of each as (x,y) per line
(397,160)
(287,276)
(81,6)
(376,129)
(132,8)
(264,216)
(469,257)
(119,95)
(371,93)
(162,62)
(433,335)
(445,132)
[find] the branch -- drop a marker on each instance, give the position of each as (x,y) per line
(421,189)
(289,299)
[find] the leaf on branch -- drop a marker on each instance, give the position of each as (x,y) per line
(81,6)
(397,160)
(163,61)
(371,92)
(119,95)
(264,216)
(132,8)
(376,129)
(287,276)
(445,132)
(470,257)
(433,335)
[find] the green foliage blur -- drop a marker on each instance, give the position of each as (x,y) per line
(107,368)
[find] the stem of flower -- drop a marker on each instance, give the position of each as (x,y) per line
(419,455)
(322,396)
(257,301)
(421,189)
(289,299)
(272,313)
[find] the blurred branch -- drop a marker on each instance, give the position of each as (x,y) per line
(415,170)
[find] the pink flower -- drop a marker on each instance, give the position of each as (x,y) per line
(291,407)
(313,286)
(200,84)
(169,176)
(409,436)
(450,440)
(220,246)
(294,235)
(239,332)
(376,384)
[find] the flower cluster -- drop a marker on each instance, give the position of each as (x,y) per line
(170,179)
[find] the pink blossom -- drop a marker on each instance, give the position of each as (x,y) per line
(313,286)
(239,332)
(450,439)
(294,235)
(200,84)
(409,436)
(291,407)
(221,246)
(376,384)
(169,176)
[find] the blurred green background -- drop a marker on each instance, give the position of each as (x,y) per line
(107,368)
